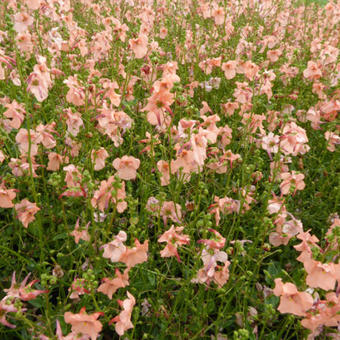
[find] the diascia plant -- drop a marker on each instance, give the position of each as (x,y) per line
(168,169)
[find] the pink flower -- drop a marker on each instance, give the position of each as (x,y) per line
(2,156)
(21,166)
(23,140)
(73,122)
(23,292)
(33,4)
(16,112)
(80,234)
(164,169)
(73,176)
(76,93)
(320,275)
(139,46)
(249,69)
(294,140)
(36,86)
(226,134)
(171,210)
(110,286)
(230,107)
(105,195)
(324,313)
(45,132)
(211,271)
(273,55)
(113,124)
(333,139)
(115,248)
(217,242)
(21,22)
(26,211)
(208,65)
(6,197)
(174,238)
(39,80)
(243,93)
(275,205)
(111,93)
(290,179)
(70,336)
(312,71)
(185,162)
(135,255)
(84,323)
(291,300)
(153,205)
(54,161)
(126,167)
(24,43)
(4,309)
(163,32)
(219,15)
(270,143)
(225,205)
(99,157)
(78,287)
(199,145)
(308,241)
(123,320)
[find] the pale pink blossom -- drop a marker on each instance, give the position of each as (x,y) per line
(99,157)
(22,21)
(123,320)
(26,211)
(115,248)
(174,238)
(126,167)
(84,323)
(80,234)
(139,45)
(291,179)
(110,286)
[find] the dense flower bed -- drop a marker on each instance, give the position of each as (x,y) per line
(169,169)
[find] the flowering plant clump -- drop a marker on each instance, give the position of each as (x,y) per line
(169,169)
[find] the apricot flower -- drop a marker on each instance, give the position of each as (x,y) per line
(84,323)
(26,211)
(23,292)
(110,286)
(4,309)
(211,271)
(139,46)
(123,320)
(6,197)
(80,234)
(174,238)
(164,169)
(115,248)
(135,255)
(312,71)
(217,242)
(54,161)
(33,4)
(99,157)
(229,69)
(292,301)
(21,22)
(126,167)
(104,195)
(290,179)
(16,112)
